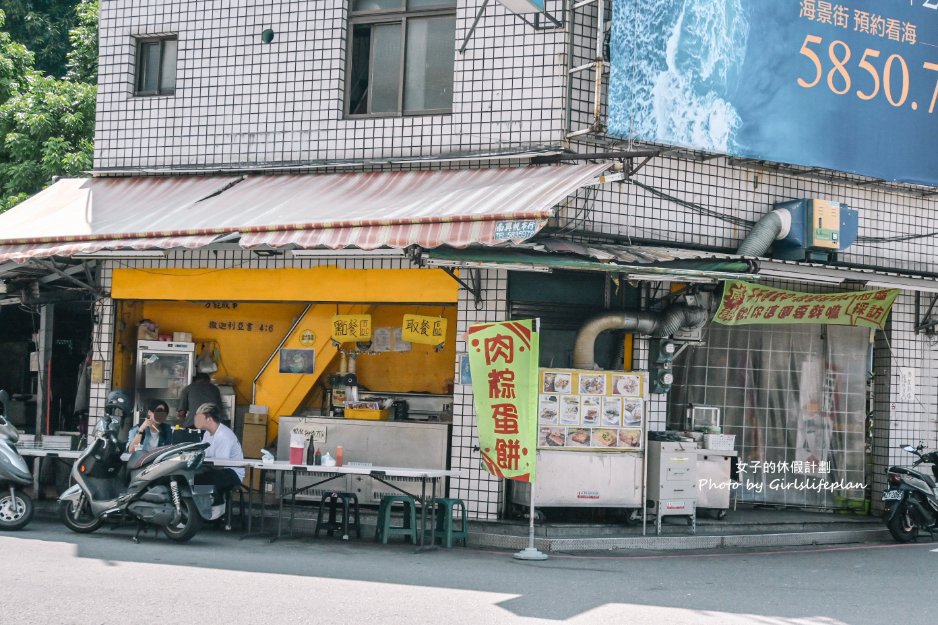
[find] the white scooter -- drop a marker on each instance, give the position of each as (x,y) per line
(16,508)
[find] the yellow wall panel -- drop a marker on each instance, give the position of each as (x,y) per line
(316,284)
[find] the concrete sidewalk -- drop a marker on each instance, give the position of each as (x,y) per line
(596,530)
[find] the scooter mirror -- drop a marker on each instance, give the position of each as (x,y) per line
(4,398)
(908,448)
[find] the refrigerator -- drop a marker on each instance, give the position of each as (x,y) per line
(163,369)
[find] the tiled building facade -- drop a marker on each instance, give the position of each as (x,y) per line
(239,103)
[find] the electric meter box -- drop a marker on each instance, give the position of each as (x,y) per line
(819,229)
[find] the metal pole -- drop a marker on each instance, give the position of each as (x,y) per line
(44,358)
(531,553)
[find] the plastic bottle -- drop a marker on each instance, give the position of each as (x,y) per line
(317,457)
(339,455)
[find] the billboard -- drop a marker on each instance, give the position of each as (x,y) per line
(849,86)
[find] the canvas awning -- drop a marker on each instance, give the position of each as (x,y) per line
(646,262)
(488,206)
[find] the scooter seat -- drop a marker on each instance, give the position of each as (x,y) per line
(140,459)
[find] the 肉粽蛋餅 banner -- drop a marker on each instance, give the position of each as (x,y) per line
(503,358)
(850,86)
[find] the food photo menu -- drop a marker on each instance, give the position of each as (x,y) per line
(581,410)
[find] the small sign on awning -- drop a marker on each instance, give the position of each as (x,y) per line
(515,230)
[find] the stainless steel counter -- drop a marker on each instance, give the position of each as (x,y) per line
(381,443)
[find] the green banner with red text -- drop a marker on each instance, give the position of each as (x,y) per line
(503,360)
(746,303)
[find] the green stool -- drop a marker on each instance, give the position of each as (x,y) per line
(384,529)
(444,521)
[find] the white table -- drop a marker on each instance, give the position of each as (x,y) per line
(428,477)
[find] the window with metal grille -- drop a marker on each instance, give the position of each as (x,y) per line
(401,55)
(156,66)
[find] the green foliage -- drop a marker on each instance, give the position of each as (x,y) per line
(46,123)
(82,59)
(42,26)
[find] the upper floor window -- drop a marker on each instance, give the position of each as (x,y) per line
(156,66)
(401,55)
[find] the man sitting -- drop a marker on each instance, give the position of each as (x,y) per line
(223,444)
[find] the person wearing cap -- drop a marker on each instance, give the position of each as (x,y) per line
(223,444)
(154,431)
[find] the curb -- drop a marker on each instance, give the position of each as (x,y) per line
(677,543)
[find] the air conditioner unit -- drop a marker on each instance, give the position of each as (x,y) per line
(703,418)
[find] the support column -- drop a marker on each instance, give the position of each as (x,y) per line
(44,347)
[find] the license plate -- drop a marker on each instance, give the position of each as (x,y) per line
(892,495)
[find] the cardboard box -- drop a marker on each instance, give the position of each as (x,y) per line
(257,409)
(251,418)
(182,337)
(253,439)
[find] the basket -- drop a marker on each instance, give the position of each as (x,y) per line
(368,415)
(720,442)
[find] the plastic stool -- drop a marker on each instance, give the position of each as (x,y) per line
(384,529)
(349,503)
(444,521)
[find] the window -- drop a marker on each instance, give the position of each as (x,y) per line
(401,55)
(156,66)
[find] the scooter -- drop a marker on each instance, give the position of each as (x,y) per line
(160,491)
(16,508)
(911,497)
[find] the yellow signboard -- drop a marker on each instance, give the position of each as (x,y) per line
(351,328)
(427,330)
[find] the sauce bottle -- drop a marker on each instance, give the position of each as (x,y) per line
(317,457)
(311,454)
(339,455)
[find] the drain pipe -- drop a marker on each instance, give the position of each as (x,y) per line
(770,227)
(660,324)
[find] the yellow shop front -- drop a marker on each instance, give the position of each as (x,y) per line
(294,343)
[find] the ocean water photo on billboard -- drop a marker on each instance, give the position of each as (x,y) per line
(673,64)
(853,89)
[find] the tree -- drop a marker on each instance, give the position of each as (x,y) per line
(42,26)
(46,123)
(82,58)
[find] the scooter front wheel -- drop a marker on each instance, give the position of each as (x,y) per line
(189,524)
(77,516)
(16,510)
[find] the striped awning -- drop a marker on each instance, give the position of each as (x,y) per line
(362,210)
(24,251)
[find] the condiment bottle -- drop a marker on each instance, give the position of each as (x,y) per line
(339,453)
(311,454)
(317,457)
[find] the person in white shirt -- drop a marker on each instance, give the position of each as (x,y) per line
(223,444)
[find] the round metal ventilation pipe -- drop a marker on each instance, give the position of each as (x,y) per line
(660,324)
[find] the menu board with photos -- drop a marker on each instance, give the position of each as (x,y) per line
(584,410)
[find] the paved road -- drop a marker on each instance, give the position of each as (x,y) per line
(54,576)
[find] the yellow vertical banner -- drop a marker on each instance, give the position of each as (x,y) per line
(351,328)
(422,329)
(503,359)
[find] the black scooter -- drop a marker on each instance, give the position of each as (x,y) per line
(160,490)
(911,497)
(16,508)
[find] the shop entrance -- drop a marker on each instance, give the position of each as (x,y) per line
(795,396)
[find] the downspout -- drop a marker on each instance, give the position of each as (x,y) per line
(661,324)
(770,227)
